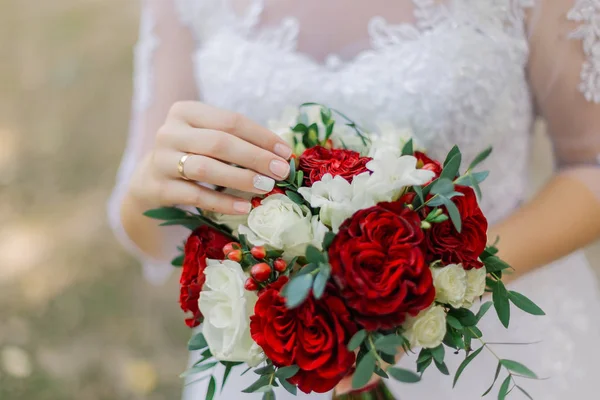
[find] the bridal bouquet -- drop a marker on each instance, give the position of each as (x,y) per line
(368,250)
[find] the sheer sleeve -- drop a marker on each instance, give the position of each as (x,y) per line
(163,74)
(564,69)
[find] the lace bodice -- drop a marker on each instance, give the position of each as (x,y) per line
(468,72)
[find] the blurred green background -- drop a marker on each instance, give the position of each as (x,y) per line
(77,320)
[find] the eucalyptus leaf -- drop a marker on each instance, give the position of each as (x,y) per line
(299,178)
(287,372)
(483,309)
(454,322)
(451,168)
(166,213)
(495,264)
(364,371)
(480,158)
(198,368)
(261,382)
(438,353)
(389,344)
(524,392)
(189,223)
(454,214)
(442,186)
(442,367)
(518,368)
(403,375)
(197,342)
(295,197)
(524,303)
(381,373)
(480,176)
(320,281)
(212,386)
(500,298)
(504,388)
(228,367)
(464,364)
(327,240)
(356,340)
(314,255)
(419,191)
(292,389)
(476,188)
(453,152)
(266,370)
(498,368)
(269,395)
(422,366)
(407,149)
(307,269)
(292,174)
(297,290)
(178,261)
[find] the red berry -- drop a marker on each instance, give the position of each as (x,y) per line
(250,284)
(261,272)
(276,190)
(256,201)
(229,247)
(280,265)
(258,252)
(235,255)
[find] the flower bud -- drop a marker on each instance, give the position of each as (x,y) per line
(261,272)
(235,255)
(280,265)
(258,252)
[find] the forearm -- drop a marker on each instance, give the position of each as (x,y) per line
(563,217)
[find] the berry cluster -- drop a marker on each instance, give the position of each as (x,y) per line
(264,266)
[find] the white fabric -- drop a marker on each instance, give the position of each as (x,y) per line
(467,72)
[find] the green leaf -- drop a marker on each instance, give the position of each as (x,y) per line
(403,375)
(189,223)
(261,382)
(451,168)
(407,149)
(288,386)
(438,353)
(356,340)
(266,370)
(299,178)
(466,317)
(442,186)
(389,344)
(454,214)
(166,213)
(287,372)
(442,367)
(320,281)
(500,298)
(480,158)
(329,130)
(454,322)
(504,389)
(381,373)
(498,368)
(292,263)
(198,368)
(480,176)
(197,342)
(453,152)
(518,368)
(300,128)
(292,176)
(424,355)
(296,290)
(524,392)
(327,240)
(494,264)
(178,261)
(325,115)
(476,187)
(269,395)
(422,366)
(228,367)
(419,191)
(475,332)
(524,303)
(295,197)
(464,364)
(364,371)
(314,255)
(264,389)
(307,269)
(212,386)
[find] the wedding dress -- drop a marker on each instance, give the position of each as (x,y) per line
(468,72)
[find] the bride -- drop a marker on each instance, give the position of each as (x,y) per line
(210,74)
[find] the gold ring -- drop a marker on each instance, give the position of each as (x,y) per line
(181,166)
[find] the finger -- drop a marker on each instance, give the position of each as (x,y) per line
(186,193)
(200,115)
(231,149)
(345,385)
(208,170)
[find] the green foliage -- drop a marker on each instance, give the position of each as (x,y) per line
(357,340)
(197,342)
(504,388)
(451,154)
(166,213)
(287,372)
(198,368)
(498,368)
(518,368)
(212,386)
(451,168)
(500,298)
(297,290)
(407,149)
(464,364)
(320,282)
(480,158)
(524,303)
(364,370)
(178,261)
(403,375)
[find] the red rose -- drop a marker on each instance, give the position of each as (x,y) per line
(318,161)
(443,242)
(424,162)
(377,263)
(313,336)
(203,243)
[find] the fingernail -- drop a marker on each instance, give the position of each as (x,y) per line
(283,150)
(279,168)
(242,207)
(263,183)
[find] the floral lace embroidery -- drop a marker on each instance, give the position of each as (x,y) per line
(587,12)
(144,51)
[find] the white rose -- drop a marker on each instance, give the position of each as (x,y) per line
(450,284)
(426,329)
(475,286)
(227,308)
(281,224)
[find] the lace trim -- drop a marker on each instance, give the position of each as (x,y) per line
(587,12)
(143,53)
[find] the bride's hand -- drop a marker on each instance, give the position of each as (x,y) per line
(215,139)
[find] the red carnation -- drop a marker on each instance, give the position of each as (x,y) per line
(424,162)
(313,336)
(203,243)
(318,161)
(376,261)
(443,242)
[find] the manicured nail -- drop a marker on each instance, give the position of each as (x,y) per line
(283,150)
(263,183)
(279,168)
(243,207)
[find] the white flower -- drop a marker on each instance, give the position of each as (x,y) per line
(227,308)
(426,329)
(281,224)
(475,286)
(390,174)
(389,138)
(450,284)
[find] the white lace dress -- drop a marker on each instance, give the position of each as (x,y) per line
(467,72)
